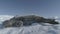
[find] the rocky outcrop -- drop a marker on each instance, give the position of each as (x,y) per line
(27,20)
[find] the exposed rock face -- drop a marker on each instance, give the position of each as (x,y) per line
(27,20)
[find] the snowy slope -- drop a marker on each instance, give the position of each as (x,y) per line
(35,29)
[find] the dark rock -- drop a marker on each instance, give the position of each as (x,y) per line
(27,20)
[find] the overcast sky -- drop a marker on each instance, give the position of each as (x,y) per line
(25,7)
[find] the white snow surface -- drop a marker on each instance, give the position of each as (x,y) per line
(34,29)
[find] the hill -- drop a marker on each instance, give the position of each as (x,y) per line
(19,21)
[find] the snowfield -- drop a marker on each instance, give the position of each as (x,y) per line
(34,29)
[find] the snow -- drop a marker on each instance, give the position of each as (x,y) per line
(33,29)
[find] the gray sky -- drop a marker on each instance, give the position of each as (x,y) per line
(25,7)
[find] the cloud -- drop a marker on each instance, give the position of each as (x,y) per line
(56,17)
(5,17)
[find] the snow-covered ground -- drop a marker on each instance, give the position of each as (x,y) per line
(33,29)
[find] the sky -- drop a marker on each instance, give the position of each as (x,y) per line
(27,7)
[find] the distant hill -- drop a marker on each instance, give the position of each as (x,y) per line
(19,21)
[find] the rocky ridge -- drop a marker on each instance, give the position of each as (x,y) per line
(19,21)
